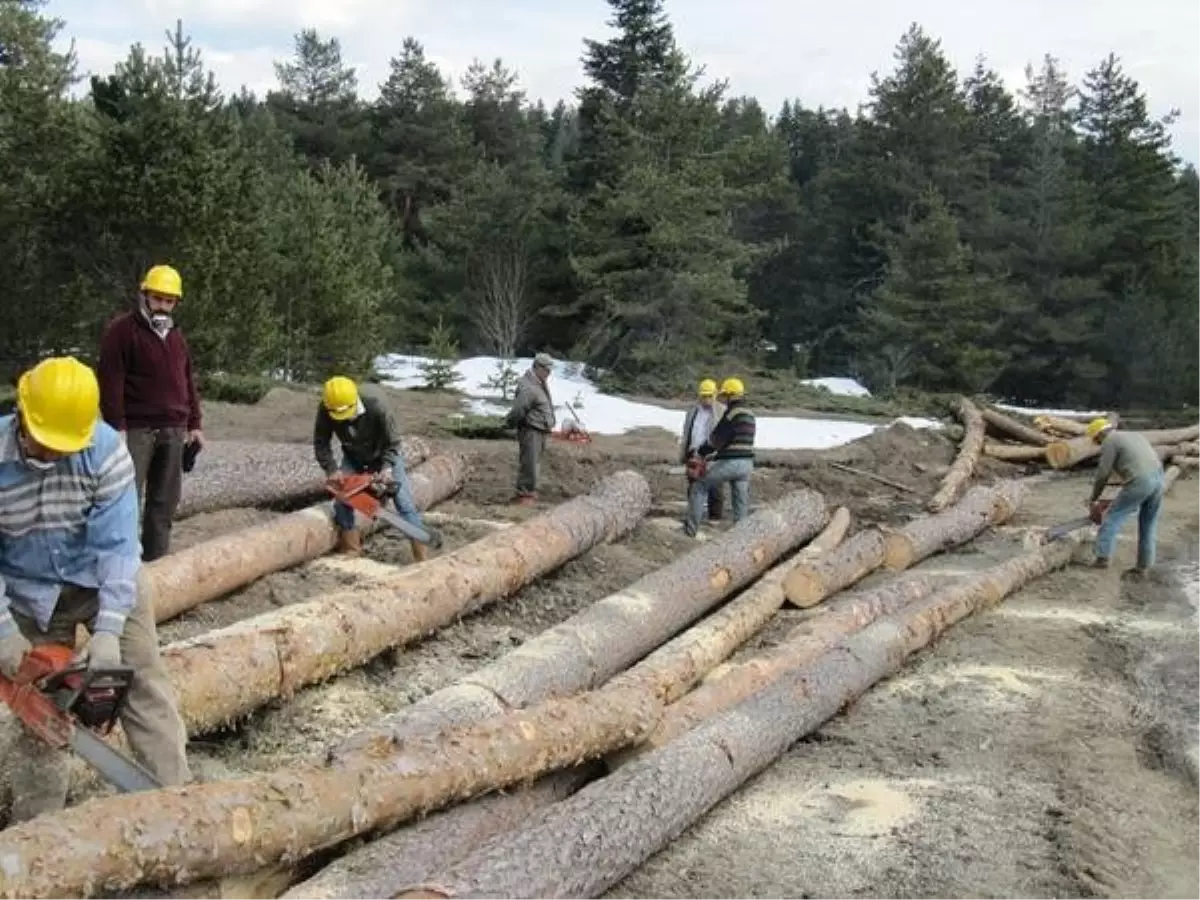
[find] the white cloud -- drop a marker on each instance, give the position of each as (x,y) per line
(773,49)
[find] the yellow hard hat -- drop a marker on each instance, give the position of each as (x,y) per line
(1096,426)
(340,396)
(163,280)
(707,388)
(59,400)
(733,387)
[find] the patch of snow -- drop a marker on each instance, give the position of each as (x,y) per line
(602,413)
(1063,413)
(842,387)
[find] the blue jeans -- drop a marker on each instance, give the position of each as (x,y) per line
(735,472)
(1144,494)
(343,515)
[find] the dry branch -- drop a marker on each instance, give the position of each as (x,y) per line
(211,569)
(588,842)
(1009,427)
(226,673)
(863,473)
(964,463)
(611,634)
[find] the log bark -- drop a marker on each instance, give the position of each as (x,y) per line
(231,474)
(182,580)
(809,584)
(382,867)
(1013,452)
(228,828)
(1009,427)
(983,506)
(1068,453)
(587,843)
(964,463)
(611,634)
(226,673)
(729,684)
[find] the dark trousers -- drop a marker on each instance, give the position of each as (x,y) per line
(531,444)
(716,500)
(158,464)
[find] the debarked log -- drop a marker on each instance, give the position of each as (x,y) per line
(611,634)
(982,507)
(1071,452)
(1009,427)
(646,804)
(184,579)
(226,673)
(809,584)
(968,457)
(1013,452)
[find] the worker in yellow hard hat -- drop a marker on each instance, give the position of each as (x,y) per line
(69,556)
(1131,456)
(729,456)
(148,393)
(698,425)
(370,442)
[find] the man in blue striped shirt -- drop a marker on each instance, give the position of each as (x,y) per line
(70,555)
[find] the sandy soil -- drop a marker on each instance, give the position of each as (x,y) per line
(1047,748)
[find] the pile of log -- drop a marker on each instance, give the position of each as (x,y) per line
(1062,443)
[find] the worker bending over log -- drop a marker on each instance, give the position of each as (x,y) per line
(532,414)
(69,555)
(698,427)
(1132,457)
(370,443)
(728,457)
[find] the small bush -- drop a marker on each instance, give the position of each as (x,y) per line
(439,370)
(479,428)
(243,389)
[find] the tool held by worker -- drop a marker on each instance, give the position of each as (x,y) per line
(1095,516)
(66,704)
(365,493)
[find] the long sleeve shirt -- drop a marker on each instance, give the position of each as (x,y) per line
(370,441)
(1128,454)
(74,524)
(146,379)
(532,407)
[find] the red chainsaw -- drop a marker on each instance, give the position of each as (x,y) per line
(66,704)
(365,493)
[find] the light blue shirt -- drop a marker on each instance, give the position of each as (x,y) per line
(76,523)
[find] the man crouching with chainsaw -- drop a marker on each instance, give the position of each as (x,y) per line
(69,555)
(371,444)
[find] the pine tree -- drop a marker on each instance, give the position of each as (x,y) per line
(438,369)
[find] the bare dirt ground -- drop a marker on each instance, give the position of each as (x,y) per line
(1046,748)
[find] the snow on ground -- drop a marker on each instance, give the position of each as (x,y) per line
(602,413)
(843,387)
(1063,413)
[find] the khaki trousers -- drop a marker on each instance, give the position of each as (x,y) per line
(156,734)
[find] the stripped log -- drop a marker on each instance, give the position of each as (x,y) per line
(587,843)
(226,673)
(809,584)
(964,463)
(1013,452)
(213,568)
(611,634)
(1068,453)
(983,506)
(1057,425)
(384,866)
(230,474)
(1189,448)
(1186,462)
(220,829)
(1009,427)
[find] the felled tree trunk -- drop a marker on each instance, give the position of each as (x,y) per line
(590,841)
(1056,425)
(1189,448)
(964,463)
(979,509)
(226,673)
(809,584)
(1186,462)
(1013,452)
(230,474)
(1009,427)
(1065,454)
(611,634)
(211,569)
(1170,476)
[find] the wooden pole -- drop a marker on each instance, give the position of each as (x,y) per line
(1009,427)
(964,463)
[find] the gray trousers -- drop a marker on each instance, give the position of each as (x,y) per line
(531,444)
(734,472)
(158,466)
(151,721)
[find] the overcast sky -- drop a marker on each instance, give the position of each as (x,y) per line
(822,53)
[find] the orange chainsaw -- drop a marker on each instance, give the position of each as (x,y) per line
(364,493)
(66,704)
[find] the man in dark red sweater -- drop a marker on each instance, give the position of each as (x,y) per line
(147,392)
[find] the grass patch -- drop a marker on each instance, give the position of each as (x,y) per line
(242,389)
(478,428)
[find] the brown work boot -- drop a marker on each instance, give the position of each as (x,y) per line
(524,500)
(350,542)
(420,552)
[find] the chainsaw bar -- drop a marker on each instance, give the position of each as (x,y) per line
(120,771)
(420,535)
(1058,532)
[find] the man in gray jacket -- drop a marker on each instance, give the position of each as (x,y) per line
(1131,456)
(697,429)
(532,414)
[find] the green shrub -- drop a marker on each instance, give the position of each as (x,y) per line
(244,389)
(479,428)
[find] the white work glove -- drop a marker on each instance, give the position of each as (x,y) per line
(13,648)
(104,650)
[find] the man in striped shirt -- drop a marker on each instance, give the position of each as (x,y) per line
(70,555)
(730,454)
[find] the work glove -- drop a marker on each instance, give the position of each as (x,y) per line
(104,650)
(13,648)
